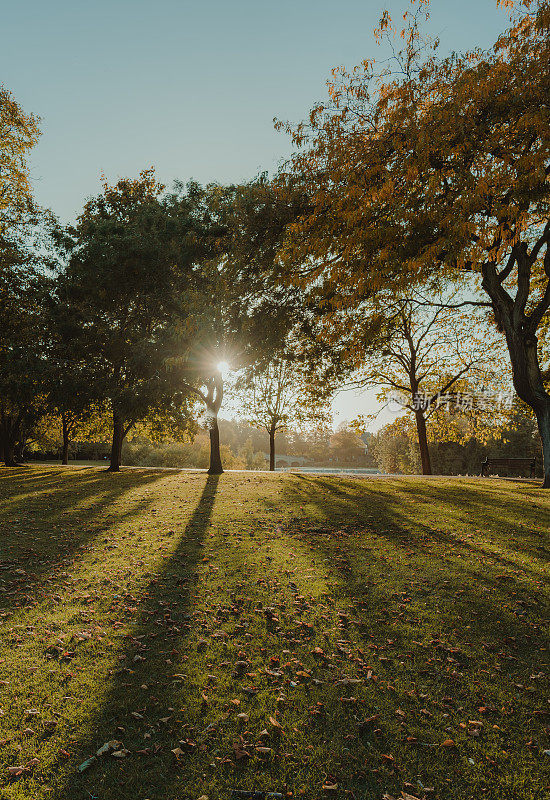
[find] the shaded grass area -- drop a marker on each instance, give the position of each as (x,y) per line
(315,636)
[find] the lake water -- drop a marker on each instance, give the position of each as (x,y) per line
(333,470)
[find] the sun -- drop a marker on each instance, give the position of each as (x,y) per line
(223,368)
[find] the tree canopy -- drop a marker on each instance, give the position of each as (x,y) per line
(432,170)
(130,298)
(19,133)
(422,174)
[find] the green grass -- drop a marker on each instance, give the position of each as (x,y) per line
(127,599)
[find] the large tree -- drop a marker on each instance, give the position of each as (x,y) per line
(129,299)
(21,283)
(23,361)
(436,169)
(250,312)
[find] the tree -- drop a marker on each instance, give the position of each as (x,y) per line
(244,298)
(277,384)
(18,134)
(420,356)
(282,394)
(21,284)
(211,394)
(127,299)
(23,357)
(437,169)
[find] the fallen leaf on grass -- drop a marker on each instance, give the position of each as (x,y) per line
(239,751)
(122,753)
(16,772)
(87,763)
(108,747)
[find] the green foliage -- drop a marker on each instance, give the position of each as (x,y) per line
(129,300)
(23,356)
(459,452)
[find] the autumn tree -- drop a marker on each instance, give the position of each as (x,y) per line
(18,134)
(433,169)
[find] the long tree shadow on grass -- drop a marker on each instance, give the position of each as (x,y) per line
(442,618)
(149,700)
(487,500)
(157,702)
(47,517)
(380,549)
(414,506)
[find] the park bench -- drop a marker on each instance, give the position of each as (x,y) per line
(510,463)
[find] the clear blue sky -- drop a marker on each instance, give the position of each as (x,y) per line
(188,86)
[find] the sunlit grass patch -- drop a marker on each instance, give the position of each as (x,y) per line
(277,633)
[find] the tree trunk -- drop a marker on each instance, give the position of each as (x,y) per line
(543,420)
(215,456)
(19,452)
(65,453)
(272,448)
(116,446)
(9,454)
(520,332)
(423,443)
(9,434)
(530,388)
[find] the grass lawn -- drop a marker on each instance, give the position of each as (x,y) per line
(309,635)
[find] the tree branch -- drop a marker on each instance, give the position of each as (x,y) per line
(196,391)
